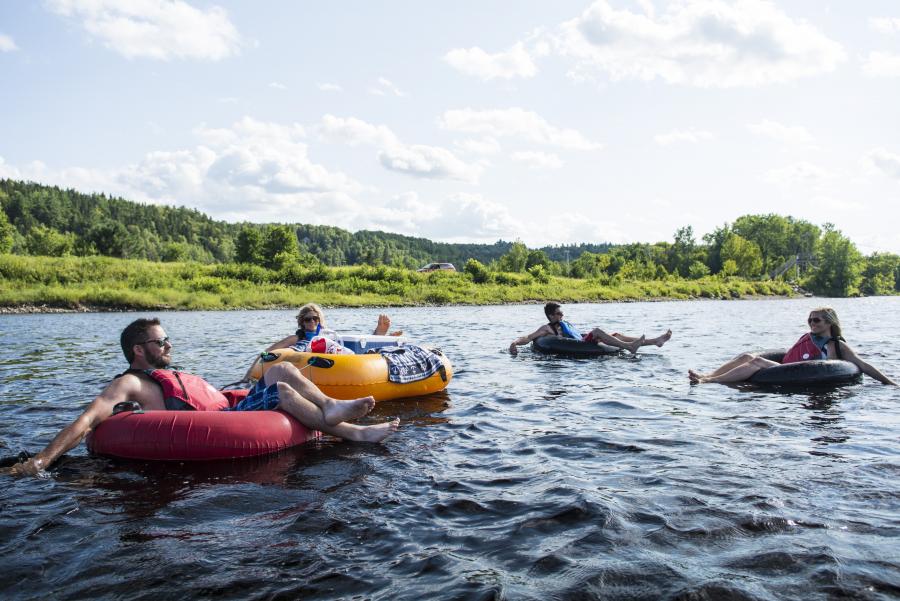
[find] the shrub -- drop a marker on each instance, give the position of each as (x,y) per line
(539,273)
(477,271)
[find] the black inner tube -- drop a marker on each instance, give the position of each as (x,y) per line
(569,346)
(805,373)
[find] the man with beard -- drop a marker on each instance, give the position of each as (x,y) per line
(148,351)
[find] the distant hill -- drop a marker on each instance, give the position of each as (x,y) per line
(89,224)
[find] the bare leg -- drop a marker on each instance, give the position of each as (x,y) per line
(739,373)
(632,346)
(334,411)
(311,416)
(726,367)
(658,341)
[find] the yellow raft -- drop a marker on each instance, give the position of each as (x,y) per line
(354,376)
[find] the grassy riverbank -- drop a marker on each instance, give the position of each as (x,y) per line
(115,284)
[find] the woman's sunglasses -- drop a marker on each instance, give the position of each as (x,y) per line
(815,320)
(310,318)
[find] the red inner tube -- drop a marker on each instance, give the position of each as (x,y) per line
(197,435)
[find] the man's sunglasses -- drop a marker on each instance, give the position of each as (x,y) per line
(160,342)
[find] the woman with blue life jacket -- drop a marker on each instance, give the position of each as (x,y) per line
(556,326)
(310,324)
(823,341)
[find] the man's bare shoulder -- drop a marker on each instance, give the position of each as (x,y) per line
(133,386)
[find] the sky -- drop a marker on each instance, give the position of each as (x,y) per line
(548,122)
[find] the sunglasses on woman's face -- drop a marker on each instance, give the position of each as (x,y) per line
(310,318)
(815,320)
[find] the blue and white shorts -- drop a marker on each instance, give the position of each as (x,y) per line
(260,398)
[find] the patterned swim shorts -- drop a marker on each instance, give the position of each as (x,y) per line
(261,398)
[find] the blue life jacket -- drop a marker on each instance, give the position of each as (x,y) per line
(303,333)
(568,330)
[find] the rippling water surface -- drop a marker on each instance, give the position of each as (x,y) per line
(532,477)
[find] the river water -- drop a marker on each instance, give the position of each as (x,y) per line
(531,477)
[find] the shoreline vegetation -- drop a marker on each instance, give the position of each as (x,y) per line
(61,250)
(58,284)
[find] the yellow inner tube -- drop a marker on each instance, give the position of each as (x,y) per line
(354,376)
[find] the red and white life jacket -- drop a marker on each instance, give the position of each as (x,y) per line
(803,350)
(189,389)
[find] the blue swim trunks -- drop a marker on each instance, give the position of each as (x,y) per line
(261,398)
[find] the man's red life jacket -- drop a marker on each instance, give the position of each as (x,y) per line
(180,388)
(804,350)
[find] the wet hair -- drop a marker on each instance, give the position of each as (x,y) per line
(134,333)
(311,309)
(830,315)
(551,308)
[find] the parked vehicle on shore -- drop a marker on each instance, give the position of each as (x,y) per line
(437,267)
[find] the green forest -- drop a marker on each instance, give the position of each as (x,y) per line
(65,248)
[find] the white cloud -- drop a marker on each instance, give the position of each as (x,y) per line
(7,44)
(429,162)
(472,217)
(691,136)
(538,160)
(575,227)
(155,29)
(802,173)
(885,24)
(251,170)
(479,146)
(789,134)
(355,132)
(515,122)
(385,87)
(417,160)
(329,87)
(515,62)
(467,217)
(275,85)
(882,64)
(883,161)
(706,43)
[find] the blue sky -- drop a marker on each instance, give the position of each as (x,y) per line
(612,121)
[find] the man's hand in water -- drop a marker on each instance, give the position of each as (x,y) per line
(31,467)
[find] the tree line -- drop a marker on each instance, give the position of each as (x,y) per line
(820,259)
(45,220)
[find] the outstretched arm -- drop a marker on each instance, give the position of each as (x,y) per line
(121,389)
(850,355)
(544,330)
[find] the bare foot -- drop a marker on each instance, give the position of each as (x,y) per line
(661,340)
(396,333)
(376,433)
(384,323)
(634,346)
(695,377)
(341,411)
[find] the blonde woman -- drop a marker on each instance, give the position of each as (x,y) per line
(311,323)
(823,341)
